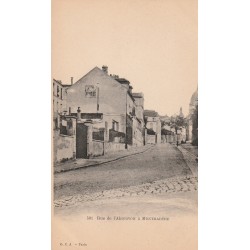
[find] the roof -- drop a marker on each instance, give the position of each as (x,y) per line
(194,98)
(150,113)
(60,83)
(122,80)
(117,80)
(164,117)
(128,92)
(137,95)
(114,78)
(95,68)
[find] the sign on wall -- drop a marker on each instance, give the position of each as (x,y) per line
(90,91)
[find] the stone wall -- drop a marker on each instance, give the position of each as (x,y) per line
(150,139)
(113,146)
(167,138)
(64,147)
(97,148)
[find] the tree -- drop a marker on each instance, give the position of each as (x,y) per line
(177,122)
(180,121)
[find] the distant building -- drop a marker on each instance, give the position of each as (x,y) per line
(193,102)
(139,127)
(192,106)
(167,134)
(165,119)
(181,113)
(153,126)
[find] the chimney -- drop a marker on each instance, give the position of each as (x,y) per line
(72,80)
(130,89)
(105,69)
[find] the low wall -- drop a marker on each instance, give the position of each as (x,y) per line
(167,138)
(164,139)
(138,142)
(97,148)
(64,147)
(150,139)
(113,146)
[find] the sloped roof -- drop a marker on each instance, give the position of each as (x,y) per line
(194,98)
(150,113)
(95,68)
(138,95)
(118,80)
(122,80)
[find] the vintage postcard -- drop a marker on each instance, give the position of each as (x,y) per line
(125,124)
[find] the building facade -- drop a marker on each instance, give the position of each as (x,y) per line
(138,122)
(153,126)
(108,107)
(192,106)
(64,126)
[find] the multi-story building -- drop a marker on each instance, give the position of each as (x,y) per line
(64,126)
(107,101)
(138,122)
(59,96)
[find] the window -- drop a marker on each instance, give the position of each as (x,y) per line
(58,91)
(115,125)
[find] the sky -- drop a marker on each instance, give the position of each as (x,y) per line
(152,43)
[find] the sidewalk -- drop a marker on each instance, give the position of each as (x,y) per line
(112,156)
(192,149)
(190,157)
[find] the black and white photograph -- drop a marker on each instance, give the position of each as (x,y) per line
(125,125)
(125,118)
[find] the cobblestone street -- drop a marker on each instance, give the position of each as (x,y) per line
(161,171)
(180,184)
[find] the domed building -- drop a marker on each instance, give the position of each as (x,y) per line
(193,102)
(192,106)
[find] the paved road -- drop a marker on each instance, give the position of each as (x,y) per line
(171,185)
(160,162)
(162,170)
